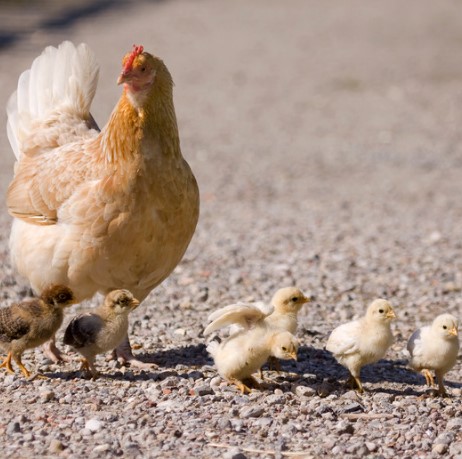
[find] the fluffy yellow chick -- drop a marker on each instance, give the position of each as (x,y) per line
(30,323)
(246,351)
(96,332)
(435,347)
(363,341)
(281,316)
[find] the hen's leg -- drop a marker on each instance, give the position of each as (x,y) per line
(125,355)
(24,370)
(52,352)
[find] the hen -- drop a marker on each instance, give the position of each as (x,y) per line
(98,210)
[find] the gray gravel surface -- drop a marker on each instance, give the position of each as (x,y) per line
(325,137)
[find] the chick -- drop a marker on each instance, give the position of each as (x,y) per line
(435,347)
(32,322)
(246,351)
(96,332)
(363,341)
(286,303)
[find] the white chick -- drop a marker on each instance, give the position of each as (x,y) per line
(245,352)
(435,347)
(363,341)
(96,332)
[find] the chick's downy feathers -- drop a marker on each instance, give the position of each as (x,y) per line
(28,324)
(363,341)
(102,330)
(434,348)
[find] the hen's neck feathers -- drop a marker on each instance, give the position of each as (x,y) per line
(153,121)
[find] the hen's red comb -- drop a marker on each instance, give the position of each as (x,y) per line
(137,50)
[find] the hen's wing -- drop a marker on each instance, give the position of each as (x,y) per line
(242,314)
(12,325)
(83,330)
(344,339)
(49,126)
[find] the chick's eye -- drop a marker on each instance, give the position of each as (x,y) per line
(284,348)
(444,326)
(62,296)
(294,299)
(381,311)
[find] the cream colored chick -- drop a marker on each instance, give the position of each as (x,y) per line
(31,322)
(245,352)
(286,303)
(435,347)
(281,316)
(363,341)
(96,332)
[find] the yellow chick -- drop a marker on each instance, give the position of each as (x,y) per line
(435,347)
(96,332)
(286,303)
(363,341)
(281,316)
(246,351)
(30,323)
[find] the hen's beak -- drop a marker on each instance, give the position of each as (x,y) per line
(124,77)
(390,314)
(135,303)
(453,331)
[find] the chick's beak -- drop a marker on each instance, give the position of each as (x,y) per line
(306,299)
(293,355)
(135,303)
(390,314)
(124,76)
(453,331)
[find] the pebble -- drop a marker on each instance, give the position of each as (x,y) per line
(93,425)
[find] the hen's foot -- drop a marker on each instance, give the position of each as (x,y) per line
(7,364)
(53,353)
(124,355)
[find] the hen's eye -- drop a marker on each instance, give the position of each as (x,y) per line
(143,69)
(381,311)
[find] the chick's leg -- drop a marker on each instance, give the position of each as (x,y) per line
(24,370)
(241,386)
(7,363)
(441,388)
(428,377)
(125,355)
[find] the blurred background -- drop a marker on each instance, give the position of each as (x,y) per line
(306,122)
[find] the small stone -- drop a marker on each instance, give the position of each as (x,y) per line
(55,446)
(102,448)
(203,390)
(180,332)
(13,427)
(93,425)
(439,448)
(251,412)
(454,424)
(371,446)
(46,395)
(445,438)
(305,391)
(324,389)
(344,427)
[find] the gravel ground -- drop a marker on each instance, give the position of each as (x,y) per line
(325,137)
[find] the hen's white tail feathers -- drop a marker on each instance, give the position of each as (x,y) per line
(60,80)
